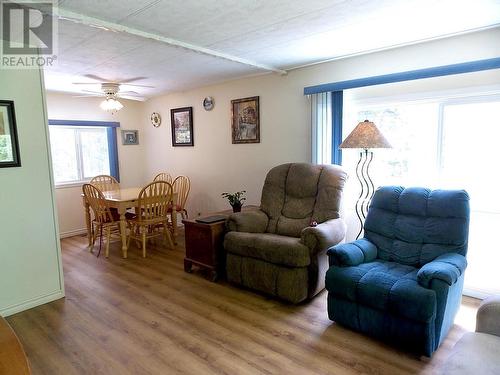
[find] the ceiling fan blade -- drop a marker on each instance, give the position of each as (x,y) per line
(133,93)
(94,92)
(97,78)
(86,96)
(137,98)
(134,85)
(86,83)
(132,79)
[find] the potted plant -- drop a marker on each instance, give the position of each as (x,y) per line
(235,199)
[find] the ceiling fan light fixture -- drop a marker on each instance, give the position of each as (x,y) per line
(111,105)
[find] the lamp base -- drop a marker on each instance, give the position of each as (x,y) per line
(367,187)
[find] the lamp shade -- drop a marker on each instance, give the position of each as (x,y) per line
(365,135)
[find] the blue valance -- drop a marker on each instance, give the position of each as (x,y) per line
(438,71)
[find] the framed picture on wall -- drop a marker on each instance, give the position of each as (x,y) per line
(9,144)
(130,137)
(245,120)
(181,120)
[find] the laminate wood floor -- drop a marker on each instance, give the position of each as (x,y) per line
(147,316)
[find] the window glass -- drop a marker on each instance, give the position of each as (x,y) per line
(64,154)
(470,137)
(95,153)
(411,130)
(468,161)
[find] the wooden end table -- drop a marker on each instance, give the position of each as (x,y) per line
(204,244)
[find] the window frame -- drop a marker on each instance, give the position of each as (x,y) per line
(112,145)
(442,98)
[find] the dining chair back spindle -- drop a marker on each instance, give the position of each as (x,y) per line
(152,213)
(105,183)
(164,176)
(182,186)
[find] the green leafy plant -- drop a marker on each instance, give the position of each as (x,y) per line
(235,199)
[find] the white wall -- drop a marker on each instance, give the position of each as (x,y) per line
(215,165)
(30,263)
(131,157)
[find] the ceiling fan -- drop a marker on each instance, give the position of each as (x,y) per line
(111,91)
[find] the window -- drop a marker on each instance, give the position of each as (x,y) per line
(412,130)
(442,143)
(468,158)
(81,151)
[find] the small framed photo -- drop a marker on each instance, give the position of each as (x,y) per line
(182,126)
(245,124)
(130,137)
(9,143)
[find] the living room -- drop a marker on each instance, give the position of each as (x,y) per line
(74,312)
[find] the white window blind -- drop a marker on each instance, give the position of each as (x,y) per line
(321,128)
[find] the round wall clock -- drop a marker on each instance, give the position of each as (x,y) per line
(155,119)
(208,103)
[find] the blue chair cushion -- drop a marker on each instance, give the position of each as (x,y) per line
(413,226)
(385,286)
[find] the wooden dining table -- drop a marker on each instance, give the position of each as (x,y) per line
(123,199)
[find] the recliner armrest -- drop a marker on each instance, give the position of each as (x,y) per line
(252,221)
(352,253)
(447,268)
(488,316)
(324,235)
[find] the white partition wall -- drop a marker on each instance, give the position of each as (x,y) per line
(30,257)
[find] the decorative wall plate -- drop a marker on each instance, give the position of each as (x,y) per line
(208,103)
(155,119)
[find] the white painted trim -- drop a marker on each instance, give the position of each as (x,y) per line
(51,182)
(79,232)
(29,304)
(71,185)
(457,95)
(115,27)
(475,293)
(72,233)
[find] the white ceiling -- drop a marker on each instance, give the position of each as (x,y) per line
(279,33)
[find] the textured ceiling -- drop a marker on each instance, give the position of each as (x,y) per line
(279,33)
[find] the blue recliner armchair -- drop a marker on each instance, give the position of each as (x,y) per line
(403,281)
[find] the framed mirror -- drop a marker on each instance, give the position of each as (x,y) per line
(9,143)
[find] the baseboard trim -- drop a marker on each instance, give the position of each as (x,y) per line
(29,304)
(477,293)
(78,232)
(72,233)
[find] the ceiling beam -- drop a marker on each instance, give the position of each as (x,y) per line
(111,26)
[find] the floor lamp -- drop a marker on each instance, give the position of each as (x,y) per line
(365,136)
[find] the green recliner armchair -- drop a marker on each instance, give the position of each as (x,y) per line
(277,249)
